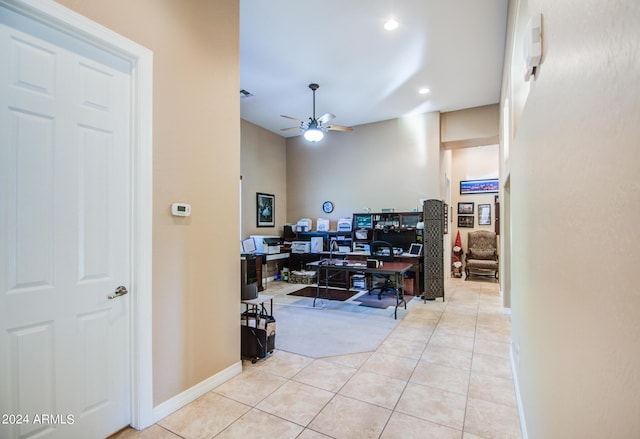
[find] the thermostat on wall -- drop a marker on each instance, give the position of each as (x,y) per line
(180,209)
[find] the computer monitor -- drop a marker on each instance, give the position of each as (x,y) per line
(398,239)
(415,249)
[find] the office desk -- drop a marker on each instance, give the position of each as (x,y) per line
(262,261)
(416,266)
(394,269)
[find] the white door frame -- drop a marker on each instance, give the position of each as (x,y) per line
(141,59)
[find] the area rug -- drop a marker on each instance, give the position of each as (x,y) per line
(332,294)
(338,328)
(371,300)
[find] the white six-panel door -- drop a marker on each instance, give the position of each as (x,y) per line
(64,236)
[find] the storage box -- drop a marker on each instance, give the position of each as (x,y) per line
(360,282)
(302,277)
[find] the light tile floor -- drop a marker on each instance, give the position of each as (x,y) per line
(443,372)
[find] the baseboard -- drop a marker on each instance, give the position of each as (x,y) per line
(506,311)
(177,402)
(516,386)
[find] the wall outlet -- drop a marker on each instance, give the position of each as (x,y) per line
(515,347)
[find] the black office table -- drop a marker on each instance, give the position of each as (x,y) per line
(394,269)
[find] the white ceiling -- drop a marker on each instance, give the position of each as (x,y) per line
(367,74)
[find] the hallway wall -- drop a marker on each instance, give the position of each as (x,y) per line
(573,164)
(196,159)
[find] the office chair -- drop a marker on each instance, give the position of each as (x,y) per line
(382,251)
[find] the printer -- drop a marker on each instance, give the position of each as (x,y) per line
(301,247)
(303,225)
(344,225)
(266,244)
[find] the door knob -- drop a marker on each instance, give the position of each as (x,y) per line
(120,291)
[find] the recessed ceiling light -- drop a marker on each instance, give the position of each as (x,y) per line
(424,91)
(391,24)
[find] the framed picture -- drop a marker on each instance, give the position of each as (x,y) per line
(465,221)
(484,214)
(489,186)
(265,210)
(465,208)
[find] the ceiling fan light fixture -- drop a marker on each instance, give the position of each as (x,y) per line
(313,134)
(314,130)
(391,24)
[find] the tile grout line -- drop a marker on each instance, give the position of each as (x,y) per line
(466,405)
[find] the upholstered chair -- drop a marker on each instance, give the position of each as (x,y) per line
(482,254)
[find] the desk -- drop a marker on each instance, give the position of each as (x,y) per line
(395,269)
(415,261)
(263,261)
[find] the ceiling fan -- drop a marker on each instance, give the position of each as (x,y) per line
(314,129)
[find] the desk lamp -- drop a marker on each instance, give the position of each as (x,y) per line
(333,246)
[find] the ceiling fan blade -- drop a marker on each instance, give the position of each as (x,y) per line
(289,117)
(290,128)
(326,118)
(339,128)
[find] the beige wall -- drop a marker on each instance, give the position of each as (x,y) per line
(476,126)
(263,166)
(574,189)
(475,163)
(390,164)
(196,127)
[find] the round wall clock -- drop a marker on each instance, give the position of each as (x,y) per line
(327,207)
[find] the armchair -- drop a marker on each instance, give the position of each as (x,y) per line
(482,254)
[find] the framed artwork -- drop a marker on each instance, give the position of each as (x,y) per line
(465,221)
(265,210)
(489,186)
(466,208)
(484,214)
